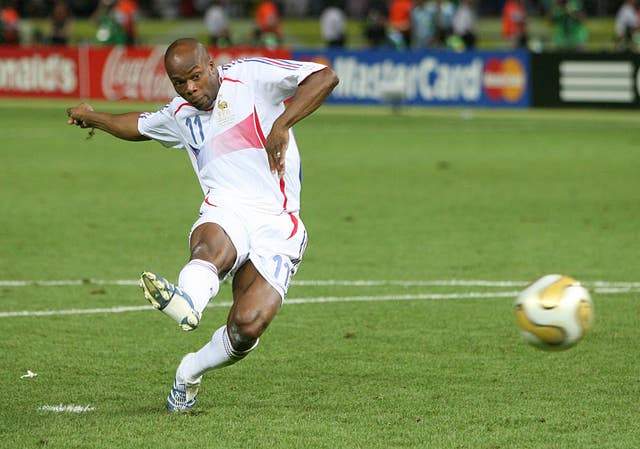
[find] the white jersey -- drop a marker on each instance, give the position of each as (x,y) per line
(226,143)
(177,125)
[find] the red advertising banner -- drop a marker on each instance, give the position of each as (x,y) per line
(38,72)
(110,73)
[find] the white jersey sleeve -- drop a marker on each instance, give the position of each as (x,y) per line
(278,79)
(161,126)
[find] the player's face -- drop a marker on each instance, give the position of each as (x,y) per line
(195,80)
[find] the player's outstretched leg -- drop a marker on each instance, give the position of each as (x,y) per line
(216,354)
(184,392)
(170,299)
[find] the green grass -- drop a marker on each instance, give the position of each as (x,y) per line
(431,194)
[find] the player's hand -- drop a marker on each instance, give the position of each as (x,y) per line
(276,145)
(76,115)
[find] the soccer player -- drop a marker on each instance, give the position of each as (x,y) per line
(233,123)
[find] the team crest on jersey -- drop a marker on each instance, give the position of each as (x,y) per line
(223,114)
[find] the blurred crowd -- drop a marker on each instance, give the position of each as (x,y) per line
(394,24)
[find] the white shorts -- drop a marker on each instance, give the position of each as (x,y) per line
(273,243)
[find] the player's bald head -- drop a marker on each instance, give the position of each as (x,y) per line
(185,51)
(192,72)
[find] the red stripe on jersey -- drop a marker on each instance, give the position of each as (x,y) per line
(241,136)
(180,107)
(189,104)
(282,186)
(232,80)
(256,122)
(294,220)
(263,140)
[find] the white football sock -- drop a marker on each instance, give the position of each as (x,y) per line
(218,353)
(199,279)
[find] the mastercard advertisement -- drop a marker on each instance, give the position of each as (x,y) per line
(505,79)
(434,78)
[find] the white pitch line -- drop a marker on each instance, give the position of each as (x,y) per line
(71,408)
(118,309)
(325,283)
(318,300)
(66,282)
(323,299)
(435,283)
(433,296)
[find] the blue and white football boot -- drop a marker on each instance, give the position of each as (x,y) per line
(170,299)
(183,394)
(182,397)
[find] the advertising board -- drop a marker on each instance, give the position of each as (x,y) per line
(109,73)
(434,78)
(37,72)
(586,80)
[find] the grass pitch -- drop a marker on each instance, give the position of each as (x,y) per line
(399,361)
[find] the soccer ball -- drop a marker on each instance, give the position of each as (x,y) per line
(554,312)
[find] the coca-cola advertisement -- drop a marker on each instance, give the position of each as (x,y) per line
(129,73)
(111,73)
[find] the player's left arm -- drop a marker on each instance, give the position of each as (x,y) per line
(310,94)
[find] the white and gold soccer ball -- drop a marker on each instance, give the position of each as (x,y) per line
(554,312)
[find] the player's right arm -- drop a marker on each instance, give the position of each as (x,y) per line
(123,126)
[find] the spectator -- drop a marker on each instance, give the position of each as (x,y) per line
(464,24)
(443,12)
(126,14)
(60,23)
(109,31)
(626,25)
(514,23)
(375,27)
(267,30)
(422,26)
(400,22)
(217,24)
(569,32)
(9,23)
(333,24)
